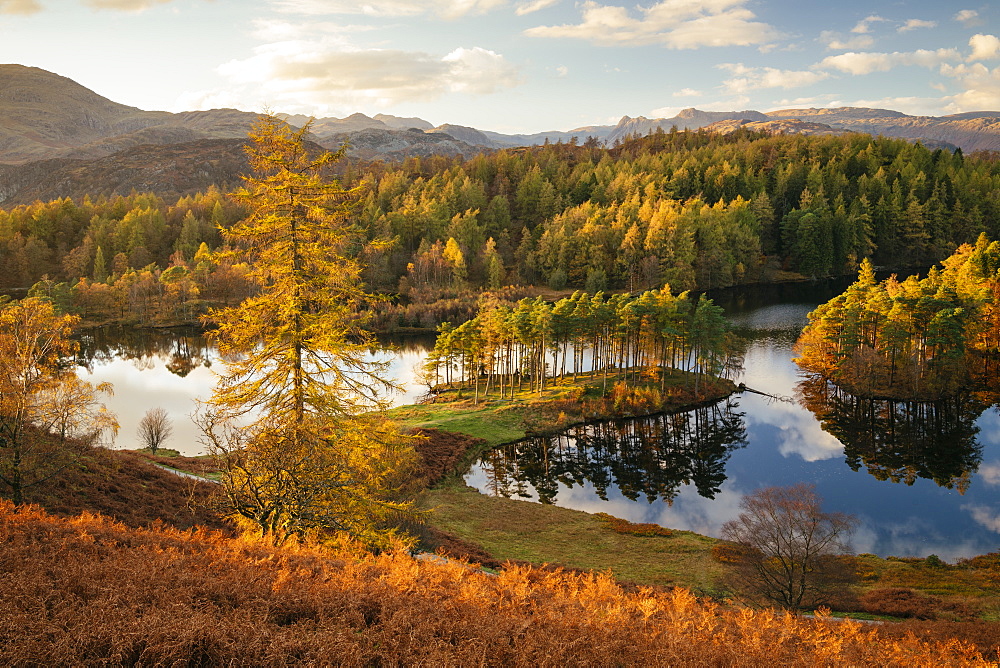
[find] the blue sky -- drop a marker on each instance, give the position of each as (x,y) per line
(515,65)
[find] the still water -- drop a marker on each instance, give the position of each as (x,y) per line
(176,368)
(922,478)
(690,470)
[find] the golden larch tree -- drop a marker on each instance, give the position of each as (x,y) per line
(287,415)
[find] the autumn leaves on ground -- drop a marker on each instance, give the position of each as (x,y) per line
(86,590)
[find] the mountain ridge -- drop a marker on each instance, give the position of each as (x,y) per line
(46,117)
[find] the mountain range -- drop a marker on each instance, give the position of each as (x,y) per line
(58,138)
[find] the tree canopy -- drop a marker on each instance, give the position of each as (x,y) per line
(917,338)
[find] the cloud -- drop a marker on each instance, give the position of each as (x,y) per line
(864,25)
(914,24)
(914,106)
(990,473)
(819,101)
(688,92)
(737,102)
(745,79)
(984,47)
(445,8)
(19,7)
(534,6)
(562,70)
(968,17)
(980,87)
(675,24)
(834,42)
(124,5)
(313,76)
(867,62)
(986,517)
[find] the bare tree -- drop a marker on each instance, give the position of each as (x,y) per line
(787,551)
(154,428)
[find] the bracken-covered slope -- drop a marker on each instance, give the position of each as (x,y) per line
(86,591)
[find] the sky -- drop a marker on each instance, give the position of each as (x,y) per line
(515,65)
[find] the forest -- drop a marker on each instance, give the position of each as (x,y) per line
(691,209)
(912,339)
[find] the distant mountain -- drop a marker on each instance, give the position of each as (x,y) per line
(59,138)
(971,131)
(468,135)
(171,170)
(398,123)
(43,114)
(688,119)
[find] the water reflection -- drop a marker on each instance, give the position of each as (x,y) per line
(180,350)
(174,369)
(901,440)
(647,458)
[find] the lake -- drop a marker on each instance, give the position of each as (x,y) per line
(689,470)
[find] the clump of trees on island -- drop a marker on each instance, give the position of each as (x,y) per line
(913,339)
(634,339)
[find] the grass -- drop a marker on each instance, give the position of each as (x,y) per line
(510,529)
(537,533)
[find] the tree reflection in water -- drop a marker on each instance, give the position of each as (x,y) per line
(902,440)
(650,456)
(146,348)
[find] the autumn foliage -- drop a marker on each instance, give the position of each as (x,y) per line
(87,590)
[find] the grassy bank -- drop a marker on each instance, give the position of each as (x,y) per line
(509,529)
(517,530)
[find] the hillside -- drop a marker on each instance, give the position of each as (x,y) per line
(170,170)
(43,114)
(87,590)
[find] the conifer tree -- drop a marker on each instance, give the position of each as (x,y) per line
(306,461)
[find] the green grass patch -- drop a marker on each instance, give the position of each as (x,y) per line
(528,531)
(547,534)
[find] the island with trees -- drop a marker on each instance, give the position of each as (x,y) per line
(912,339)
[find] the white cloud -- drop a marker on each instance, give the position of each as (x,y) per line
(676,24)
(19,7)
(864,25)
(984,516)
(745,78)
(914,106)
(980,87)
(34,6)
(688,92)
(867,62)
(478,71)
(834,42)
(990,473)
(124,5)
(968,17)
(562,70)
(818,101)
(729,104)
(444,8)
(321,77)
(914,24)
(984,47)
(533,6)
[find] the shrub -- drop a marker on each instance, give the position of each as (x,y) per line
(618,525)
